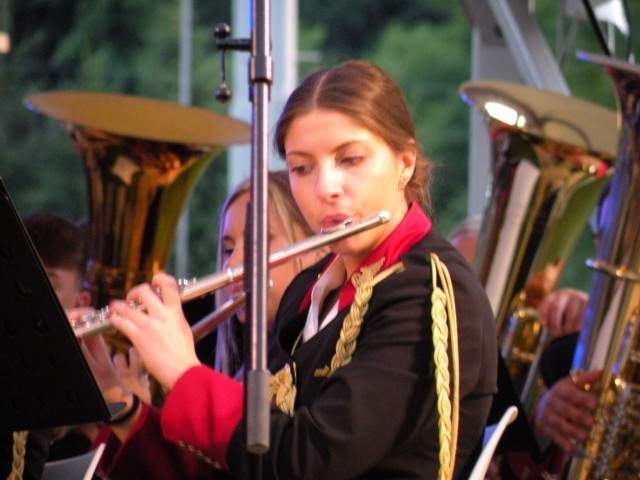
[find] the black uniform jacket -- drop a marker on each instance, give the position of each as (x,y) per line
(377,417)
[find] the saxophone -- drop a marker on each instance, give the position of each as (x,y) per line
(552,155)
(609,338)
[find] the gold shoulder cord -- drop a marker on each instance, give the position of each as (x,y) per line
(19,451)
(283,391)
(443,313)
(443,308)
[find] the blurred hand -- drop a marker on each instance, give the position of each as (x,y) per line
(96,351)
(542,283)
(563,311)
(131,371)
(493,472)
(160,332)
(565,413)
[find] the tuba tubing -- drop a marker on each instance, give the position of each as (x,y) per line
(551,156)
(609,339)
(142,158)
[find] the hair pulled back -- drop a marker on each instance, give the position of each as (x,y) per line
(366,94)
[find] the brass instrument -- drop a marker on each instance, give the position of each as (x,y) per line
(551,157)
(99,321)
(141,157)
(609,337)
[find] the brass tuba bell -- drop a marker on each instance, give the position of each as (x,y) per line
(551,156)
(142,158)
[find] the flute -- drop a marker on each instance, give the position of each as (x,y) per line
(98,321)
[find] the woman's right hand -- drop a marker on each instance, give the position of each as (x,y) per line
(159,331)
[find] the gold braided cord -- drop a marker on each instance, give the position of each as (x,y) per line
(443,308)
(445,278)
(347,342)
(364,283)
(283,391)
(19,452)
(440,342)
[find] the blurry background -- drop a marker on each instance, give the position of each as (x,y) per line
(133,47)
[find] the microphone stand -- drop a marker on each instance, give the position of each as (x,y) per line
(257,377)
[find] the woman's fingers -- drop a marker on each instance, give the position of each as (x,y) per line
(156,326)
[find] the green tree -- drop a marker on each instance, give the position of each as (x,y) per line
(122,46)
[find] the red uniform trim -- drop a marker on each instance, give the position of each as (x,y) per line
(202,411)
(409,231)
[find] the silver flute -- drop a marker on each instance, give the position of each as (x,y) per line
(98,321)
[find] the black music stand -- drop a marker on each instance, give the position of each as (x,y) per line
(44,378)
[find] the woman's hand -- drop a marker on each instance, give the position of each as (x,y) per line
(160,333)
(565,413)
(563,311)
(131,371)
(96,352)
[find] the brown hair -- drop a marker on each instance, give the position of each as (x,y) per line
(59,242)
(366,94)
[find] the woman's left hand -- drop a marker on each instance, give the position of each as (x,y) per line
(133,374)
(159,331)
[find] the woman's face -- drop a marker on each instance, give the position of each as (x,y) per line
(233,234)
(340,170)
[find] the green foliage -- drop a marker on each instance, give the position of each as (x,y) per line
(127,46)
(434,63)
(122,46)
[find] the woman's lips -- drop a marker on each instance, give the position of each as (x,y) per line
(331,221)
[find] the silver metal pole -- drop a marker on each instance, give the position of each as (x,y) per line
(184,97)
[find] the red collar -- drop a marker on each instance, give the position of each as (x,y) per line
(412,228)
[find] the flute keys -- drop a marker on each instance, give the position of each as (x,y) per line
(93,323)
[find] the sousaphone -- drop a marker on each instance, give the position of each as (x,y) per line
(142,158)
(551,156)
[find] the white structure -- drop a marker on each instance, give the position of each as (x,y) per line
(284,36)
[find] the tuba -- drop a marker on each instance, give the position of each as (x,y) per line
(551,157)
(609,337)
(142,158)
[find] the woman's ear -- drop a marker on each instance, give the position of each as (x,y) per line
(408,163)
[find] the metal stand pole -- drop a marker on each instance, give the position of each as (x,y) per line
(257,376)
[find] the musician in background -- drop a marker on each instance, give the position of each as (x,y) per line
(356,328)
(564,413)
(465,237)
(287,226)
(61,246)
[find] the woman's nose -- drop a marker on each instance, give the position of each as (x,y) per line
(328,183)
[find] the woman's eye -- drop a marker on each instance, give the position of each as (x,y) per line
(226,254)
(351,160)
(298,169)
